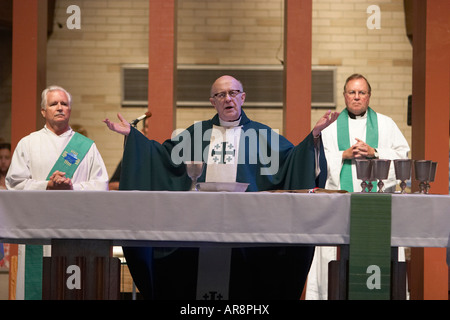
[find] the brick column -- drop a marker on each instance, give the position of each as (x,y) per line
(297,68)
(430,127)
(162,65)
(29,51)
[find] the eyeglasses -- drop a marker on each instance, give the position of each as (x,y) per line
(352,93)
(222,95)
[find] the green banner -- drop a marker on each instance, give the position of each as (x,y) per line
(33,272)
(370,247)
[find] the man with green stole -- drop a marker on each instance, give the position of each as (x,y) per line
(53,158)
(235,149)
(358,133)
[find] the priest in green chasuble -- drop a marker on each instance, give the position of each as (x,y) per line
(235,149)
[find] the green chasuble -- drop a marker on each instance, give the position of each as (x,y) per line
(149,165)
(267,161)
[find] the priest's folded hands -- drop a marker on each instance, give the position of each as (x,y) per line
(59,181)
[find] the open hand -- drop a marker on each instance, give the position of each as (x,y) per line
(327,119)
(122,127)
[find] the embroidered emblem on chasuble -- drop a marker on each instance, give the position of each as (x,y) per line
(223,154)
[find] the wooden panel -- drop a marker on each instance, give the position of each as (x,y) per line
(98,275)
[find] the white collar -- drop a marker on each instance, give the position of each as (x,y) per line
(364,116)
(65,133)
(234,123)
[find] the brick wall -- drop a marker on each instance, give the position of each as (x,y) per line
(87,62)
(114,32)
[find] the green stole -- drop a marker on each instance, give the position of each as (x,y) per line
(72,155)
(344,143)
(67,162)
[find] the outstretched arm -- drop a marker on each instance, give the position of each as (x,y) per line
(122,127)
(327,119)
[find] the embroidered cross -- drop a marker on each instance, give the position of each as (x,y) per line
(223,153)
(213,295)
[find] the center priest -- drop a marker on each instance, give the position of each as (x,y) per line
(235,149)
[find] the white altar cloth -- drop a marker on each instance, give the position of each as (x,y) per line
(210,218)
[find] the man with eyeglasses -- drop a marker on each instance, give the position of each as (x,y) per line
(359,132)
(235,149)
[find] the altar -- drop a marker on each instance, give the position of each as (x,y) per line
(81,224)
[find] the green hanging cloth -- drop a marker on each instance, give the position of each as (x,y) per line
(370,246)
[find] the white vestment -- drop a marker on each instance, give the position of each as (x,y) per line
(33,158)
(36,154)
(391,145)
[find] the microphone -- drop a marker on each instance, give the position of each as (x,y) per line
(148,114)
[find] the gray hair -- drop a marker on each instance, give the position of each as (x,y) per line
(54,88)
